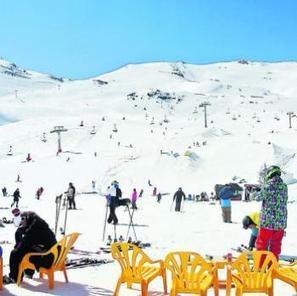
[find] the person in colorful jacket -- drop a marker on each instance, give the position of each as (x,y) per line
(252,222)
(134,199)
(273,217)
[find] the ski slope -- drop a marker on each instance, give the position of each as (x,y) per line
(155,107)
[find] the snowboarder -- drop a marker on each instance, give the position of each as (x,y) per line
(251,222)
(178,196)
(16,198)
(39,192)
(273,217)
(134,199)
(225,195)
(71,196)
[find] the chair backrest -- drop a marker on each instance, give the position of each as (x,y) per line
(131,259)
(61,249)
(188,269)
(254,269)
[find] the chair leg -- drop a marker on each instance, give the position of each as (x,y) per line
(116,292)
(144,288)
(20,273)
(270,291)
(51,279)
(164,281)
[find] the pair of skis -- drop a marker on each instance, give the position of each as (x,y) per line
(287,258)
(86,262)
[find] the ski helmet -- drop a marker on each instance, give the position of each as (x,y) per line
(273,170)
(246,222)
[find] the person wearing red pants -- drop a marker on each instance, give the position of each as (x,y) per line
(273,217)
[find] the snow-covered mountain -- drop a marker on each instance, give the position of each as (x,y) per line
(155,107)
(145,122)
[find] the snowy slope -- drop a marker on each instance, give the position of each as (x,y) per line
(154,107)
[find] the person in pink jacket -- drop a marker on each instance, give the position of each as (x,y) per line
(134,199)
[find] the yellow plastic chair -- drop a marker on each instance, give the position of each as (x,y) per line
(136,267)
(288,274)
(59,251)
(190,273)
(252,272)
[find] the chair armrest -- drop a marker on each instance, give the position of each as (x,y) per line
(28,255)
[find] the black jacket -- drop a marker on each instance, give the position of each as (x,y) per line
(179,194)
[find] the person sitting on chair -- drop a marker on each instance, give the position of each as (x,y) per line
(36,237)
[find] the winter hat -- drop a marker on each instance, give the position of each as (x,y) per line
(16,212)
(246,222)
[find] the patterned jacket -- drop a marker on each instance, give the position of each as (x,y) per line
(274,196)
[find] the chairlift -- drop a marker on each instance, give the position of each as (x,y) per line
(114,128)
(93,131)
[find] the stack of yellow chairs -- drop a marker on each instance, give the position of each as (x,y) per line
(190,273)
(136,267)
(252,272)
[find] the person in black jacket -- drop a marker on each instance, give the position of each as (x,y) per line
(16,198)
(178,196)
(35,236)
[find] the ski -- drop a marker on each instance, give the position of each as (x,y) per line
(86,262)
(83,252)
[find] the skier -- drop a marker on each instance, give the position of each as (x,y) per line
(93,185)
(38,238)
(159,197)
(28,158)
(134,199)
(178,196)
(273,217)
(71,196)
(251,222)
(4,191)
(16,198)
(140,193)
(114,194)
(149,182)
(39,192)
(225,195)
(155,191)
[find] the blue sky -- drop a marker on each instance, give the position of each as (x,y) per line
(85,38)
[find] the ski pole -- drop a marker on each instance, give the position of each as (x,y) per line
(65,219)
(105,219)
(171,206)
(131,222)
(58,208)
